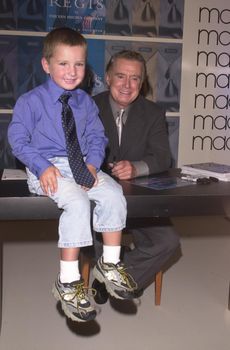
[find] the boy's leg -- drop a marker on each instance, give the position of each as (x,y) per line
(111,271)
(110,218)
(69,265)
(73,234)
(69,288)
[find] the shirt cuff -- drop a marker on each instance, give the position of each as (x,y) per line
(141,167)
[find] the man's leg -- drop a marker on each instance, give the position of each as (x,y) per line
(153,246)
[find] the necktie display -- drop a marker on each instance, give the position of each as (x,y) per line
(119,124)
(81,174)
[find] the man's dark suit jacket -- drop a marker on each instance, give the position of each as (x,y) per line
(144,135)
(144,138)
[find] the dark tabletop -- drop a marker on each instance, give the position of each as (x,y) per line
(16,203)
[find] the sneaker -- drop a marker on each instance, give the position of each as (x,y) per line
(118,282)
(74,300)
(101,295)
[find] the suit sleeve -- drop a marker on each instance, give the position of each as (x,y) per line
(157,153)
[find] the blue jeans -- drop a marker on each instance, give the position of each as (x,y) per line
(109,214)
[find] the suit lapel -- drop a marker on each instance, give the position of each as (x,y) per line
(110,129)
(132,129)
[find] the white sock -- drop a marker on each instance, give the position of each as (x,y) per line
(111,253)
(69,271)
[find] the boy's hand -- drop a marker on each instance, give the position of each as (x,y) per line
(48,180)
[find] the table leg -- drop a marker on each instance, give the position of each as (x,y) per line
(229,297)
(1,278)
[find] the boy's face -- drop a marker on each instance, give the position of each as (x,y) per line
(66,66)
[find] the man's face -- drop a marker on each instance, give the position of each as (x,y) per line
(66,66)
(124,80)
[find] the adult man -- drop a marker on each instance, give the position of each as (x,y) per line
(140,148)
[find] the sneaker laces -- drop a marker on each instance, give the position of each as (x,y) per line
(80,292)
(126,277)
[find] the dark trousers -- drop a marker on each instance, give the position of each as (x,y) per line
(155,241)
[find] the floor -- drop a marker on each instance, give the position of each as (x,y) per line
(193,314)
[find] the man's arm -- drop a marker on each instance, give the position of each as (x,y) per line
(157,154)
(125,170)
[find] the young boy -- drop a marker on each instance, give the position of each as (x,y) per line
(39,136)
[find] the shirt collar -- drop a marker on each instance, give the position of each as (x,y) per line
(56,91)
(116,109)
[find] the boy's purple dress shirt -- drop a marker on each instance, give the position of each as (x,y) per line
(36,134)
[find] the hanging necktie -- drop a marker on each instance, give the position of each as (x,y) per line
(81,174)
(119,123)
(148,13)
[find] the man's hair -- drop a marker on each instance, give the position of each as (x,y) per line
(66,36)
(128,55)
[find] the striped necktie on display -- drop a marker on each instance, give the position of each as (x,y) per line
(81,174)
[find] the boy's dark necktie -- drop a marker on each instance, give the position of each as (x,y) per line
(81,174)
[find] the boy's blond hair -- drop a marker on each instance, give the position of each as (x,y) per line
(66,36)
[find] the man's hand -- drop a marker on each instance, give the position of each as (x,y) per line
(123,170)
(48,180)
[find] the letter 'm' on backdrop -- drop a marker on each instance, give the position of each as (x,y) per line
(205,86)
